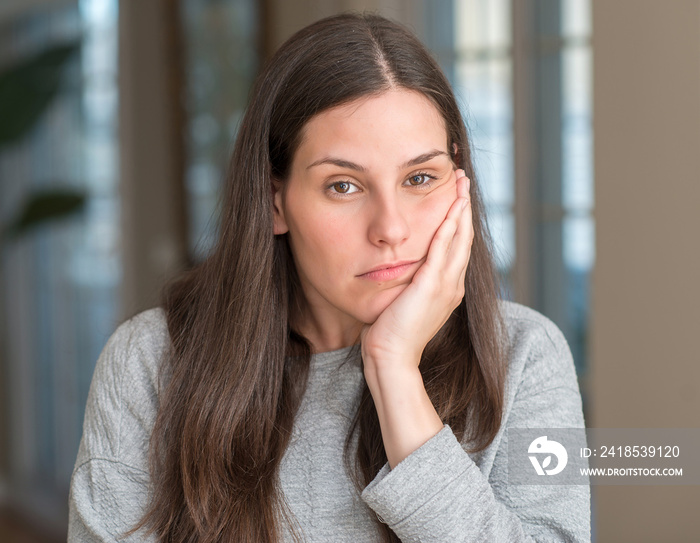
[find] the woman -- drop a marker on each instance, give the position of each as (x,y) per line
(339,369)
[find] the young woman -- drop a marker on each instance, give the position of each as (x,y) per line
(340,368)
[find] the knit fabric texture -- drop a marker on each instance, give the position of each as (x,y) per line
(439,493)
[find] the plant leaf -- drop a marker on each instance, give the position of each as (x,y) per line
(45,206)
(27,89)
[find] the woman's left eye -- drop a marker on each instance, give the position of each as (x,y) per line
(419,179)
(342,187)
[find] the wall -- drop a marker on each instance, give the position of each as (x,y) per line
(645,370)
(284,17)
(151,151)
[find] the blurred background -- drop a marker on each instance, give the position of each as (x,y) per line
(116,122)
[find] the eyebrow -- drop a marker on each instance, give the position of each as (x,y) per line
(420,159)
(425,157)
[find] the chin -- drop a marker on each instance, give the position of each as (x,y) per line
(378,304)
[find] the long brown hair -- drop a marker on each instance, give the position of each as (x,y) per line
(237,368)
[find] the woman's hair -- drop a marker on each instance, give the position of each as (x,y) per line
(237,368)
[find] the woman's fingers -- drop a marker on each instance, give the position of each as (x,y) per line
(460,249)
(450,245)
(462,188)
(443,238)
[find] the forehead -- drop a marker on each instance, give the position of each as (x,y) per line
(395,125)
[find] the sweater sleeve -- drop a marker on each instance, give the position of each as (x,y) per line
(110,483)
(438,493)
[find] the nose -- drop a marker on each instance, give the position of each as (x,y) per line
(388,223)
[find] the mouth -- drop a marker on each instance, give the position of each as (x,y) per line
(387,272)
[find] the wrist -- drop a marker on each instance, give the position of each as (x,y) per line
(385,361)
(389,374)
(392,371)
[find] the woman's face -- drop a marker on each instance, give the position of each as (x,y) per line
(369,185)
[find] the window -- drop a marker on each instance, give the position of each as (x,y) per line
(221,62)
(522,71)
(58,283)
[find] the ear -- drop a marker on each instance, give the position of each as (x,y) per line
(455,154)
(279,224)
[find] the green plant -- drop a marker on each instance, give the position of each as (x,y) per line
(27,89)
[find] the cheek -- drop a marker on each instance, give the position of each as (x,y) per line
(431,212)
(321,241)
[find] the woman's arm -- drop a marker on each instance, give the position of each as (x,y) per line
(110,483)
(440,493)
(406,415)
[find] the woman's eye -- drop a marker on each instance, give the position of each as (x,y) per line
(343,187)
(420,179)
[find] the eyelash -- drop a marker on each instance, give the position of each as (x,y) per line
(425,185)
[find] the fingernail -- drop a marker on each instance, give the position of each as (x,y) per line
(465,201)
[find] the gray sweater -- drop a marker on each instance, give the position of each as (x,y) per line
(439,493)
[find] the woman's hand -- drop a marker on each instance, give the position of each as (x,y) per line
(392,346)
(402,331)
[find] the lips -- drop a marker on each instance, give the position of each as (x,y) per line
(386,272)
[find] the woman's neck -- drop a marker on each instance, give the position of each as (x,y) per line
(327,335)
